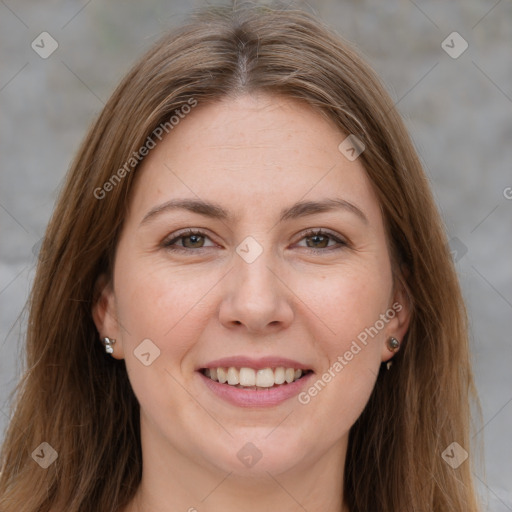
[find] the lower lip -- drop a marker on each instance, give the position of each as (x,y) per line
(256,398)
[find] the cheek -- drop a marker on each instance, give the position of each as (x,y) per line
(345,300)
(164,306)
(349,305)
(162,303)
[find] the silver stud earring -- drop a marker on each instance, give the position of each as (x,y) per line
(108,342)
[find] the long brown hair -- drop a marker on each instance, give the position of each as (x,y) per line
(80,402)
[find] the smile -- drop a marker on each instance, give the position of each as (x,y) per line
(254,379)
(255,387)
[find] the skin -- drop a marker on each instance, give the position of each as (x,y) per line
(253,155)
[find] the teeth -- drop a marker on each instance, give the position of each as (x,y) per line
(251,378)
(222,375)
(247,377)
(279,375)
(233,376)
(265,378)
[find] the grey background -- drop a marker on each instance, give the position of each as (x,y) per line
(458,111)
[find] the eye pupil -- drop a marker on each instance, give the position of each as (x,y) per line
(194,239)
(318,238)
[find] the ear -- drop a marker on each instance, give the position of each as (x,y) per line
(104,314)
(398,325)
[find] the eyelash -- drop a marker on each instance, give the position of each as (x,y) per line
(169,244)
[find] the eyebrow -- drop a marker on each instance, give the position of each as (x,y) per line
(215,211)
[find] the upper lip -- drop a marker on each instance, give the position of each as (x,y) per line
(257,364)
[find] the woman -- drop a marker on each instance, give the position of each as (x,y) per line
(244,297)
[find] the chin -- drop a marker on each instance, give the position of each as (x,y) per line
(260,456)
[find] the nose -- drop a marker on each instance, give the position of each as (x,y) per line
(256,297)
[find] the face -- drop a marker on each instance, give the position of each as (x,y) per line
(286,267)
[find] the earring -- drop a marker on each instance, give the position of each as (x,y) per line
(393,344)
(108,342)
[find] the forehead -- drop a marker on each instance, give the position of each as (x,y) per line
(257,152)
(266,127)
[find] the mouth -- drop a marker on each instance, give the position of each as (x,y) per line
(253,379)
(255,382)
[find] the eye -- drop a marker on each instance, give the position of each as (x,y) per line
(316,240)
(190,239)
(319,239)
